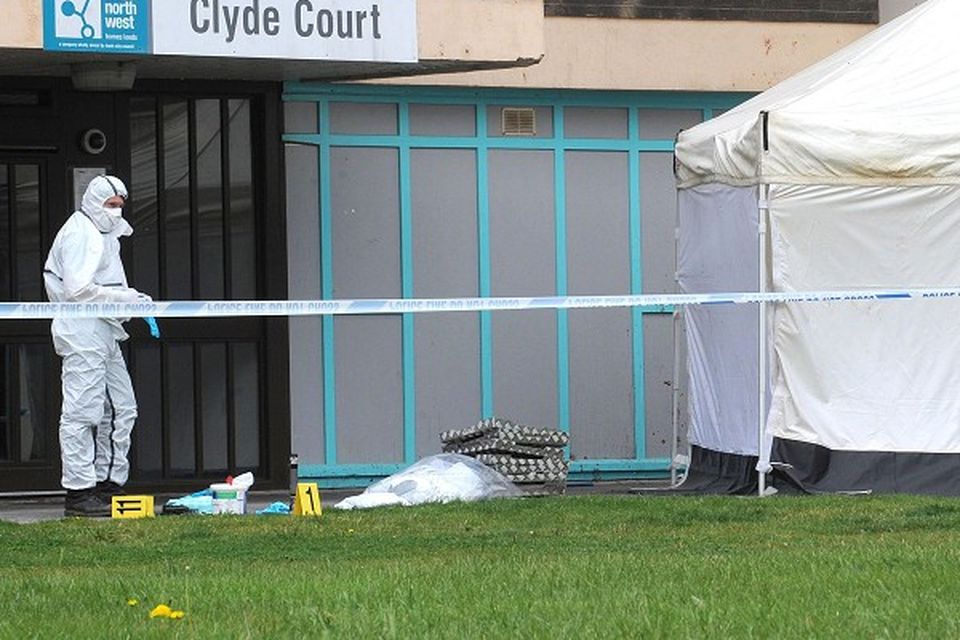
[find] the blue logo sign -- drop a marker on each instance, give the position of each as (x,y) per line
(97,26)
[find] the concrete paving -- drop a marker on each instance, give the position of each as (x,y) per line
(26,510)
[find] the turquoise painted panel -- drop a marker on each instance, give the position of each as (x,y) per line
(355,476)
(640,107)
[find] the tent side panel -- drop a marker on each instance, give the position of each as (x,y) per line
(717,252)
(865,396)
(876,375)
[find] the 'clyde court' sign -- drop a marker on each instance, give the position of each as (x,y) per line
(380,30)
(360,30)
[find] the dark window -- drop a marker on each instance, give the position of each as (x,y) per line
(851,11)
(24,98)
(194,208)
(23,367)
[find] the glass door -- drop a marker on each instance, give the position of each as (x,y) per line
(196,207)
(29,392)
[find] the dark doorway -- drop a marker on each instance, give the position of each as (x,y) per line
(203,166)
(29,454)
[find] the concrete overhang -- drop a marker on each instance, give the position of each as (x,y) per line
(452,36)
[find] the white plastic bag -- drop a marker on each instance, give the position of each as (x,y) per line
(444,477)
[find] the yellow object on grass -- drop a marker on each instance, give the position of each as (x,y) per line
(131,507)
(164,611)
(307,500)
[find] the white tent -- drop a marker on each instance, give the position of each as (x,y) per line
(846,176)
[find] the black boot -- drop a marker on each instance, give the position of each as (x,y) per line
(85,503)
(106,489)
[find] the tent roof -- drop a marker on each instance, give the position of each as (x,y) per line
(884,110)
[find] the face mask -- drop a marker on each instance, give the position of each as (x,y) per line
(104,218)
(114,212)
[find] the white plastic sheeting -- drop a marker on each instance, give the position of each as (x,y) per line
(444,477)
(882,109)
(872,375)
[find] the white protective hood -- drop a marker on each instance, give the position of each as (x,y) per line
(883,110)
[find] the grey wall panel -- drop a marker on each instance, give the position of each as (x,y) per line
(666,124)
(444,203)
(525,367)
(595,122)
(658,206)
(522,226)
(447,375)
(444,200)
(443,119)
(369,389)
(523,263)
(598,224)
(365,210)
(364,118)
(658,213)
(658,383)
(303,268)
(601,379)
(598,262)
(300,117)
(366,264)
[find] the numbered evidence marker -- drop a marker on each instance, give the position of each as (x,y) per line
(307,500)
(132,507)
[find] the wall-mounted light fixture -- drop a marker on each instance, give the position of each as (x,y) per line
(103,76)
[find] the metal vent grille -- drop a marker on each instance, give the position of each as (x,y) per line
(518,121)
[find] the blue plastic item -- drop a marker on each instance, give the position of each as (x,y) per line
(198,502)
(191,504)
(154,327)
(275,508)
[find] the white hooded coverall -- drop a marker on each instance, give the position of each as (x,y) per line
(99,407)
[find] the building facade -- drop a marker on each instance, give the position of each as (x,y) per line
(480,148)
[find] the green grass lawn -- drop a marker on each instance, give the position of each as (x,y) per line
(572,567)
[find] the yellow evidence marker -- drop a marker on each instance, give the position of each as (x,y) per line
(307,500)
(132,507)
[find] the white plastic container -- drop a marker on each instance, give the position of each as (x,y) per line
(228,498)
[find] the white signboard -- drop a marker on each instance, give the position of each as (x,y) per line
(360,30)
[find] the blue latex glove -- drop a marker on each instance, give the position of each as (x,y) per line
(193,503)
(275,508)
(154,327)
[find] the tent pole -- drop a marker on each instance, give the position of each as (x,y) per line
(763,214)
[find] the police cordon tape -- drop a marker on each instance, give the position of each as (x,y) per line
(267,308)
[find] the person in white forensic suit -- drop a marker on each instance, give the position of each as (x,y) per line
(99,407)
